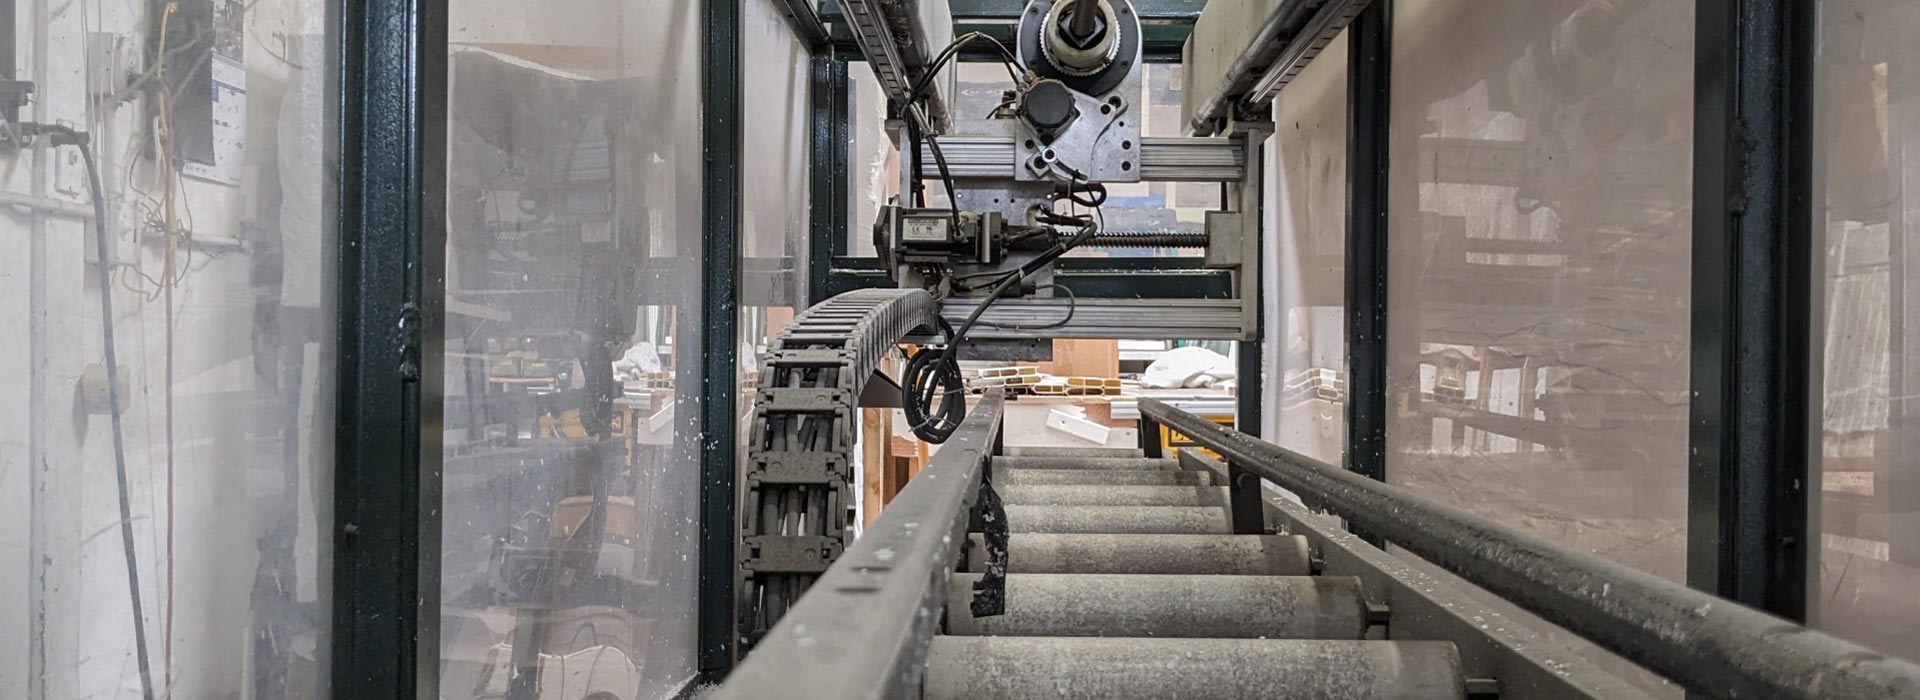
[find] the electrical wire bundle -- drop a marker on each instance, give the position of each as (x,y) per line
(934,393)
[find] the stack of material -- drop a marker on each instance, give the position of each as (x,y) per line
(1016,380)
(1078,386)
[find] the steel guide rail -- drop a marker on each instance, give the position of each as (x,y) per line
(793,517)
(1701,642)
(864,630)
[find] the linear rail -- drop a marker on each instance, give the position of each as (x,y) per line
(1290,37)
(1699,641)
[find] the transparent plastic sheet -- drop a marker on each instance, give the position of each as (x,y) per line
(775,205)
(571,478)
(223,359)
(1868,121)
(1540,271)
(1306,207)
(874,163)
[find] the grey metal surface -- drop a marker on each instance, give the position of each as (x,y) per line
(1024,668)
(1105,477)
(1144,520)
(1701,642)
(863,629)
(1112,495)
(792,521)
(1162,158)
(1166,606)
(1056,463)
(1189,555)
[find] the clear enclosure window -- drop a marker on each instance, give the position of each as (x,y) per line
(1306,209)
(1541,200)
(571,445)
(1868,503)
(213,489)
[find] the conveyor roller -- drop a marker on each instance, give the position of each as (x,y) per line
(1150,520)
(1263,555)
(1026,668)
(1112,495)
(1153,605)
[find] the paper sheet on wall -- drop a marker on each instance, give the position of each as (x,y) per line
(229,124)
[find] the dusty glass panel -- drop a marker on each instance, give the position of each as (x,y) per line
(872,161)
(1306,209)
(1869,497)
(573,355)
(774,202)
(213,487)
(1541,193)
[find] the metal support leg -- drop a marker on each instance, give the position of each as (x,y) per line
(1150,437)
(1249,517)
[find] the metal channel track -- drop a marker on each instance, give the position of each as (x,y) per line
(895,45)
(793,521)
(1162,158)
(1289,38)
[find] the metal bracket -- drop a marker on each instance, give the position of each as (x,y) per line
(791,554)
(798,468)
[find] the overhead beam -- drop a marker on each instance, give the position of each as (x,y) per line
(898,43)
(1327,23)
(806,24)
(1009,10)
(1290,35)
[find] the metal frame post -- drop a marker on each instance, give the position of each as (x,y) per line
(1243,488)
(830,187)
(1747,529)
(1149,438)
(718,397)
(1245,505)
(1369,122)
(386,93)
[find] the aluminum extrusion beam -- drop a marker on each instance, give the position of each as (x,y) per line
(1150,319)
(1289,38)
(1704,643)
(862,630)
(1326,24)
(1162,158)
(896,61)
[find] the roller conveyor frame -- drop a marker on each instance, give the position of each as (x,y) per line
(869,626)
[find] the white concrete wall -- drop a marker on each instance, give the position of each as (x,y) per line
(58,498)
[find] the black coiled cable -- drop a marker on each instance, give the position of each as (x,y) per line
(933,394)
